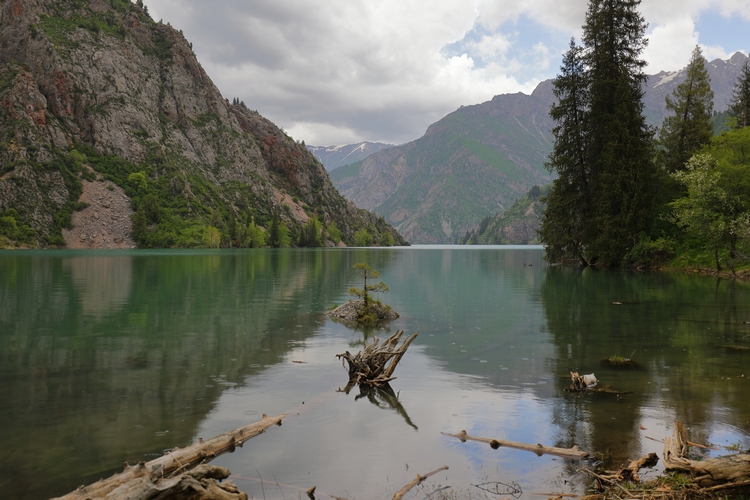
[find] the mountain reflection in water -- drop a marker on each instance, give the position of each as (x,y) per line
(108,357)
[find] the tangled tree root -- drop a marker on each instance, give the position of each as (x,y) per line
(375,364)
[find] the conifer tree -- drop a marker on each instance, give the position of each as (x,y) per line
(623,177)
(273,230)
(739,106)
(569,201)
(690,126)
(617,179)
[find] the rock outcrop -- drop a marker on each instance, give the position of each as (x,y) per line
(100,85)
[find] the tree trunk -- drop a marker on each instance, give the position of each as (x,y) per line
(707,472)
(155,475)
(540,450)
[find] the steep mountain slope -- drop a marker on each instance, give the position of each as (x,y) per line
(723,76)
(97,92)
(516,226)
(333,157)
(478,160)
(475,161)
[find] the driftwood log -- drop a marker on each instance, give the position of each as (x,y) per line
(630,472)
(375,364)
(169,476)
(418,480)
(540,450)
(709,472)
(580,383)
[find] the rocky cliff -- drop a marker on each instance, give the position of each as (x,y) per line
(97,99)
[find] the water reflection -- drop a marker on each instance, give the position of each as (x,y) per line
(675,325)
(383,397)
(107,357)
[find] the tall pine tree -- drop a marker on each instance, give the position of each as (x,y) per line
(569,201)
(690,126)
(620,178)
(739,106)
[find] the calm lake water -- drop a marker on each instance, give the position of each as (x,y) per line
(107,357)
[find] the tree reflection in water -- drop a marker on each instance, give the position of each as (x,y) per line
(383,397)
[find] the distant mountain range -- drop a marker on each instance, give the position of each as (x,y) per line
(478,160)
(333,157)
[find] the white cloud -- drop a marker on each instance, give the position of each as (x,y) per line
(670,45)
(338,71)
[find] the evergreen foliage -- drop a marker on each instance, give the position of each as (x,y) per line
(603,148)
(739,106)
(690,124)
(364,293)
(569,202)
(310,235)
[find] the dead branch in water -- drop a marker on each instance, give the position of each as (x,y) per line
(376,363)
(540,450)
(403,491)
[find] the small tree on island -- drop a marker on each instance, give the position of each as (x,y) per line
(367,310)
(364,292)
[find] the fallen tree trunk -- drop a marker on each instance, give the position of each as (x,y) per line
(540,450)
(147,480)
(708,472)
(376,363)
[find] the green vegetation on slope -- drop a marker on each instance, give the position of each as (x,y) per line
(472,163)
(519,225)
(143,115)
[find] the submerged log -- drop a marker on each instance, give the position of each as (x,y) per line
(376,363)
(574,452)
(708,472)
(136,481)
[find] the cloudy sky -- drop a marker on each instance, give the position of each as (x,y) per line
(341,71)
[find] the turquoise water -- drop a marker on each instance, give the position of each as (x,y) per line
(107,357)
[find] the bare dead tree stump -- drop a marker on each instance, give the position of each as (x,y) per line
(375,364)
(705,473)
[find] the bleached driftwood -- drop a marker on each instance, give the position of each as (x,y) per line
(580,383)
(376,363)
(630,472)
(705,473)
(674,449)
(136,481)
(403,491)
(539,449)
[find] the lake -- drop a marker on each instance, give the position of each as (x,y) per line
(114,356)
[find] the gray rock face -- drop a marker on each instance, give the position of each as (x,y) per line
(105,75)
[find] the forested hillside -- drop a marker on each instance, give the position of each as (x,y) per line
(625,197)
(102,104)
